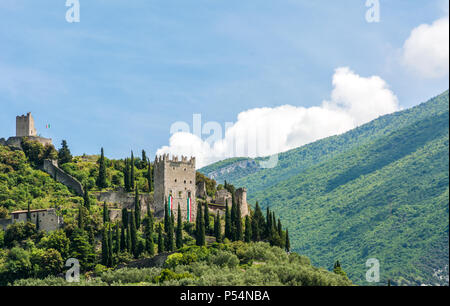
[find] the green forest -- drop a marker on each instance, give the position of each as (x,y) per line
(378,191)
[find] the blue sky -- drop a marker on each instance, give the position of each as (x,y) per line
(130,69)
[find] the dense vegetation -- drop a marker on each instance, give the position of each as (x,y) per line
(217,250)
(379,191)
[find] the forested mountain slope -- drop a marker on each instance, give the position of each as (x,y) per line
(378,191)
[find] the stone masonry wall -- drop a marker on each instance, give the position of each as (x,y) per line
(59,175)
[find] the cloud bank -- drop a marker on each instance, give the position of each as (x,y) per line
(265,131)
(426,51)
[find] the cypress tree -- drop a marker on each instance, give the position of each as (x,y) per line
(105,213)
(170,235)
(132,178)
(227,222)
(280,230)
(105,249)
(144,159)
(206,216)
(149,177)
(129,244)
(248,229)
(86,199)
(179,234)
(258,224)
(160,240)
(133,234)
(38,226)
(125,217)
(287,244)
(110,248)
(149,245)
(126,176)
(123,239)
(217,228)
(64,155)
(28,212)
(166,217)
(233,219)
(239,233)
(137,208)
(200,235)
(101,178)
(80,217)
(117,239)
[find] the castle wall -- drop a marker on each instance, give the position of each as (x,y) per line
(177,178)
(125,200)
(241,199)
(60,176)
(48,219)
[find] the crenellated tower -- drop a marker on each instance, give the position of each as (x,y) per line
(175,183)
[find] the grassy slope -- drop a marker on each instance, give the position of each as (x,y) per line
(380,191)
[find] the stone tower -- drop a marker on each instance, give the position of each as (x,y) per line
(175,178)
(241,199)
(25,126)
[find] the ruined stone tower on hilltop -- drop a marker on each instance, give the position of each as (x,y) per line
(175,183)
(25,126)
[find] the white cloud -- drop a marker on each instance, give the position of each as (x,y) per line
(426,51)
(265,131)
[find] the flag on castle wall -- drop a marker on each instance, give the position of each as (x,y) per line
(189,209)
(170,204)
(47,126)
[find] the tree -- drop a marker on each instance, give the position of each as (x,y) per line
(179,233)
(227,222)
(123,239)
(133,234)
(117,239)
(129,244)
(200,235)
(248,229)
(38,222)
(125,217)
(110,247)
(86,199)
(105,248)
(105,213)
(160,240)
(206,217)
(64,155)
(217,228)
(148,228)
(287,244)
(82,249)
(337,269)
(126,176)
(258,223)
(101,178)
(170,234)
(132,178)
(137,208)
(239,233)
(233,219)
(166,217)
(57,240)
(28,212)
(149,177)
(144,159)
(80,217)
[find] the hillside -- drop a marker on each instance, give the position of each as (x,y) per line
(378,191)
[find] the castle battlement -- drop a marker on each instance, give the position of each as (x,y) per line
(165,158)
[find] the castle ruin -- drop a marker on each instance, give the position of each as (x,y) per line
(175,185)
(24,128)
